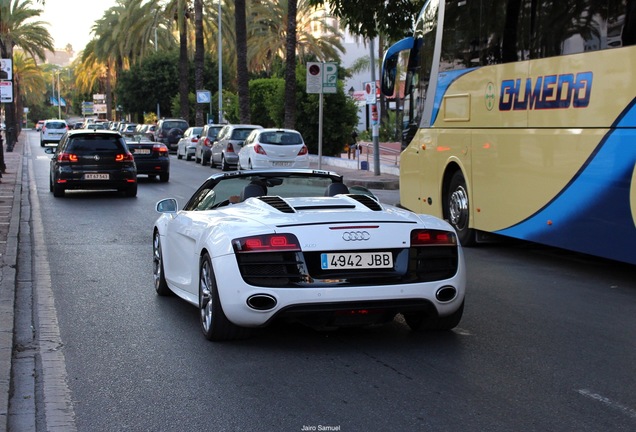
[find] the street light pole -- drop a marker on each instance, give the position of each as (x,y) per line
(220,49)
(59,100)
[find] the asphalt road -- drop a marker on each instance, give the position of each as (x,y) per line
(547,342)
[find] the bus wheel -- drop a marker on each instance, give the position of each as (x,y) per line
(457,209)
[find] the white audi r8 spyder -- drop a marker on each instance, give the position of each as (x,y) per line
(251,247)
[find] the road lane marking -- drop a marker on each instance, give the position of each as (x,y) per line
(630,412)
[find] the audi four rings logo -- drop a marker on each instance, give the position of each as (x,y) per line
(96,157)
(356,236)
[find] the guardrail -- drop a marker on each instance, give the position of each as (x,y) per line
(388,155)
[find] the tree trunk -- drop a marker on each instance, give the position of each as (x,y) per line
(198,58)
(183,63)
(290,66)
(241,60)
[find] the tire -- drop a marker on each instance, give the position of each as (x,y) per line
(456,208)
(50,184)
(196,159)
(204,160)
(161,286)
(224,165)
(179,156)
(131,191)
(164,177)
(188,157)
(214,324)
(58,190)
(42,143)
(421,321)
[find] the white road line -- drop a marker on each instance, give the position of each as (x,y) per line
(630,412)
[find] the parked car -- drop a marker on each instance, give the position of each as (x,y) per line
(209,134)
(38,126)
(129,129)
(152,158)
(92,159)
(52,131)
(228,144)
(78,125)
(300,246)
(274,148)
(170,131)
(150,132)
(188,143)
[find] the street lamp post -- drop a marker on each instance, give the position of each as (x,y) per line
(59,100)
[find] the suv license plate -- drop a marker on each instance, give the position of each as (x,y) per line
(360,260)
(96,176)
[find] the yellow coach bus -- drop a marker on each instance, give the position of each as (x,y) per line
(520,119)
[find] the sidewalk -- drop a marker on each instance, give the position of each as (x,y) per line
(389,177)
(10,203)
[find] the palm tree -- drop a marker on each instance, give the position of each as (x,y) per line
(290,66)
(180,10)
(241,61)
(268,38)
(18,29)
(198,56)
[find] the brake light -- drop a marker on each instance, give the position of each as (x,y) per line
(267,243)
(124,157)
(206,142)
(67,157)
(433,238)
(160,148)
(303,151)
(260,150)
(194,139)
(230,148)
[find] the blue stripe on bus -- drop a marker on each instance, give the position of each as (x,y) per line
(593,213)
(444,80)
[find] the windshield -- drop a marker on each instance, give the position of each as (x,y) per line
(217,191)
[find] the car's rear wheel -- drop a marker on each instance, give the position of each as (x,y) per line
(214,323)
(161,286)
(164,177)
(188,157)
(179,155)
(58,190)
(419,321)
(131,191)
(224,165)
(457,209)
(205,160)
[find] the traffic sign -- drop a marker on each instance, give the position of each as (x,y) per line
(6,91)
(370,92)
(330,78)
(204,96)
(322,77)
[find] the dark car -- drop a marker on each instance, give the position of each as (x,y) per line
(92,159)
(170,131)
(204,145)
(152,158)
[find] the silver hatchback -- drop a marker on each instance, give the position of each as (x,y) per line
(228,143)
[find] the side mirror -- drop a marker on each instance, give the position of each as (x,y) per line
(168,205)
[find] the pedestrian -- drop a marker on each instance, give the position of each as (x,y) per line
(353,145)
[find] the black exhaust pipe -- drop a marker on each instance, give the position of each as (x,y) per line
(261,302)
(446,293)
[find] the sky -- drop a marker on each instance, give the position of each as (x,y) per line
(70,21)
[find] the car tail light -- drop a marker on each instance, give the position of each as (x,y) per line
(206,142)
(260,150)
(267,243)
(230,148)
(67,157)
(303,151)
(160,148)
(195,139)
(124,157)
(433,238)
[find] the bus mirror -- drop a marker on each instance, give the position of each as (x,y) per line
(389,64)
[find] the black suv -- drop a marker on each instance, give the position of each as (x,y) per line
(92,159)
(170,131)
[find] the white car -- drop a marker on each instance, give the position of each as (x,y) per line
(273,148)
(52,132)
(252,247)
(187,145)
